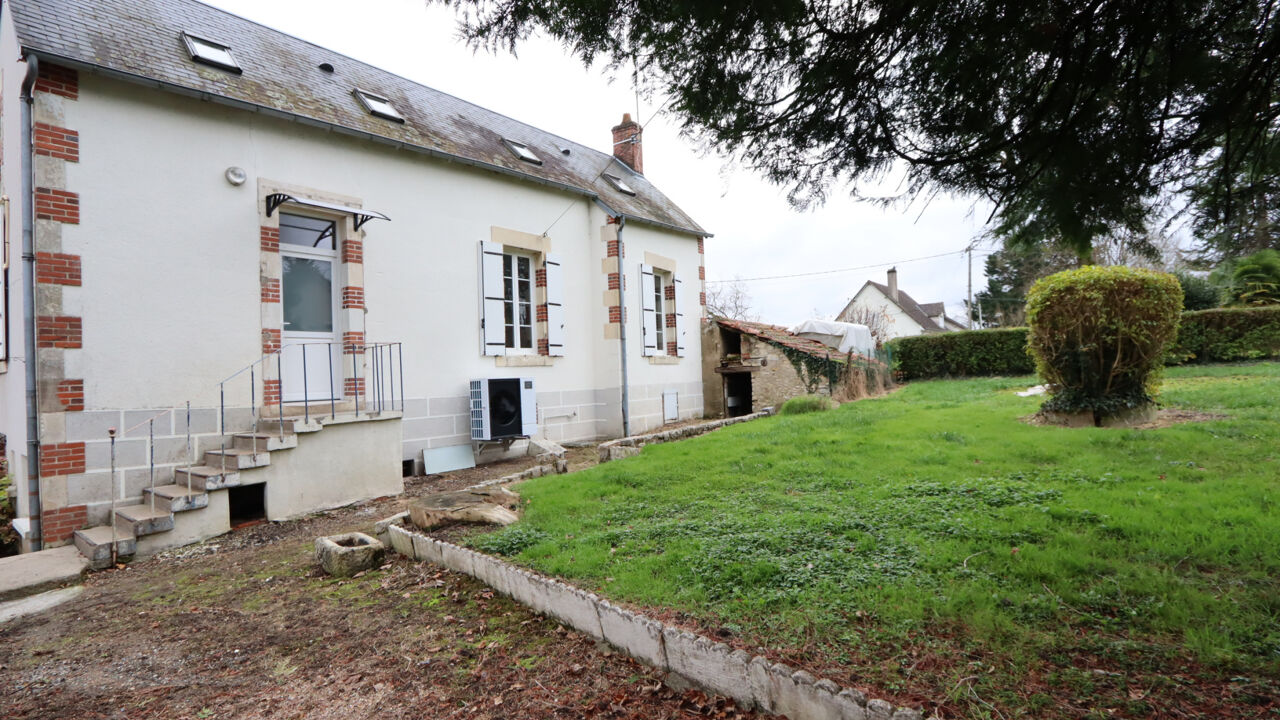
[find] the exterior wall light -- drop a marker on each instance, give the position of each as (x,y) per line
(236,176)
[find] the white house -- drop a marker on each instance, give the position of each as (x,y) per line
(206,216)
(902,315)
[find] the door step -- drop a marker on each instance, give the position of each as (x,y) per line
(178,498)
(139,520)
(264,442)
(95,544)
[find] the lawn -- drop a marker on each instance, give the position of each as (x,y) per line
(929,544)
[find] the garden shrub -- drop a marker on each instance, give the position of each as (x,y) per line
(1198,293)
(806,404)
(960,354)
(1257,279)
(1099,336)
(1227,335)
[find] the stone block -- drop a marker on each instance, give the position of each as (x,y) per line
(401,540)
(455,558)
(907,714)
(879,710)
(129,453)
(426,549)
(574,608)
(349,553)
(712,665)
(639,637)
(203,421)
(380,527)
(92,425)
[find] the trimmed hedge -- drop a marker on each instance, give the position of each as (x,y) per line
(1227,335)
(958,354)
(1219,335)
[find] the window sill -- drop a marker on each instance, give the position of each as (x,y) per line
(664,359)
(524,360)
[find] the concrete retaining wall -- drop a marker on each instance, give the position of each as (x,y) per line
(628,446)
(754,682)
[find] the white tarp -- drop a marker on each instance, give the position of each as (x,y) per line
(842,336)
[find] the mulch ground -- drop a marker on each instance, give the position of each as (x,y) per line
(245,626)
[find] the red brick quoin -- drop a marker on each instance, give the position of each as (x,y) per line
(270,239)
(352,251)
(71,395)
(59,525)
(270,290)
(353,297)
(60,205)
(58,331)
(61,459)
(57,269)
(270,341)
(57,142)
(57,80)
(270,392)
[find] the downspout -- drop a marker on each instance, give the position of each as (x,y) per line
(27,102)
(622,331)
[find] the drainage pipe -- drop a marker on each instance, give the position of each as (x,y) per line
(622,329)
(29,297)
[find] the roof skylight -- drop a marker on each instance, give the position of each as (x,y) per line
(379,106)
(211,53)
(617,182)
(522,151)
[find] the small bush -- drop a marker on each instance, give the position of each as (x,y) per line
(1099,335)
(806,404)
(1198,293)
(1257,279)
(961,354)
(1227,335)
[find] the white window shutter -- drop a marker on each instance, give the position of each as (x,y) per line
(679,311)
(648,313)
(555,305)
(493,337)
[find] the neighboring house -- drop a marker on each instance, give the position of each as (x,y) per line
(749,366)
(903,316)
(196,198)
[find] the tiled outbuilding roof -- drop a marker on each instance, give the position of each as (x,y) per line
(782,337)
(141,40)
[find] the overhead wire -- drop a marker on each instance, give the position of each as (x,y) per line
(843,270)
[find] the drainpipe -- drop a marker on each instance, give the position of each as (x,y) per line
(29,294)
(622,333)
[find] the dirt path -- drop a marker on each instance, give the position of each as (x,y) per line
(245,627)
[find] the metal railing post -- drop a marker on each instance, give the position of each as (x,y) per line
(306,392)
(222,424)
(112,433)
(151,442)
(355,371)
(333,407)
(280,382)
(391,370)
(191,459)
(253,405)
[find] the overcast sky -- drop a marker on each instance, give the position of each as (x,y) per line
(756,233)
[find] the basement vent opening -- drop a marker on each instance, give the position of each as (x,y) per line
(618,182)
(522,151)
(212,53)
(247,504)
(379,106)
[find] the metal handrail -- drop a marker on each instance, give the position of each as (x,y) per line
(383,384)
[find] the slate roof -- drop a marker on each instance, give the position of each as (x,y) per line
(783,337)
(142,40)
(913,309)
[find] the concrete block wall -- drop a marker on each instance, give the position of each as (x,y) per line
(628,446)
(755,682)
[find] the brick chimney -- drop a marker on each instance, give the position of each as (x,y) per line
(626,143)
(893,284)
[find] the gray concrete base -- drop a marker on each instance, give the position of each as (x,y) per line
(24,574)
(37,603)
(755,682)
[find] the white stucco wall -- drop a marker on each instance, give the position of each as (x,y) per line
(171,296)
(900,324)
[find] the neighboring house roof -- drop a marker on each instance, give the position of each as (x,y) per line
(932,309)
(782,337)
(141,40)
(913,309)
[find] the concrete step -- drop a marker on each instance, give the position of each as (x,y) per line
(272,426)
(139,520)
(264,441)
(177,498)
(205,478)
(95,545)
(236,459)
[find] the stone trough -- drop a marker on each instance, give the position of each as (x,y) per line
(347,554)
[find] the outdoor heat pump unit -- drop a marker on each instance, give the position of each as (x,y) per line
(503,409)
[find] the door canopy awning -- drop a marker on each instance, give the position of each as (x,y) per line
(275,200)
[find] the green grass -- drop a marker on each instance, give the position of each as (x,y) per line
(806,404)
(934,516)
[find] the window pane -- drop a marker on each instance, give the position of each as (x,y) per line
(508,312)
(507,293)
(506,265)
(524,268)
(307,232)
(511,336)
(525,286)
(308,294)
(524,313)
(526,337)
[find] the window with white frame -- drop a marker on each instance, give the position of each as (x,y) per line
(517,295)
(659,316)
(661,321)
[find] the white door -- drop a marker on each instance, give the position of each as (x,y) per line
(310,359)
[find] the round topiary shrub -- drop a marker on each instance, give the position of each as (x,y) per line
(1099,336)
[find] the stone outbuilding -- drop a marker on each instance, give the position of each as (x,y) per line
(749,366)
